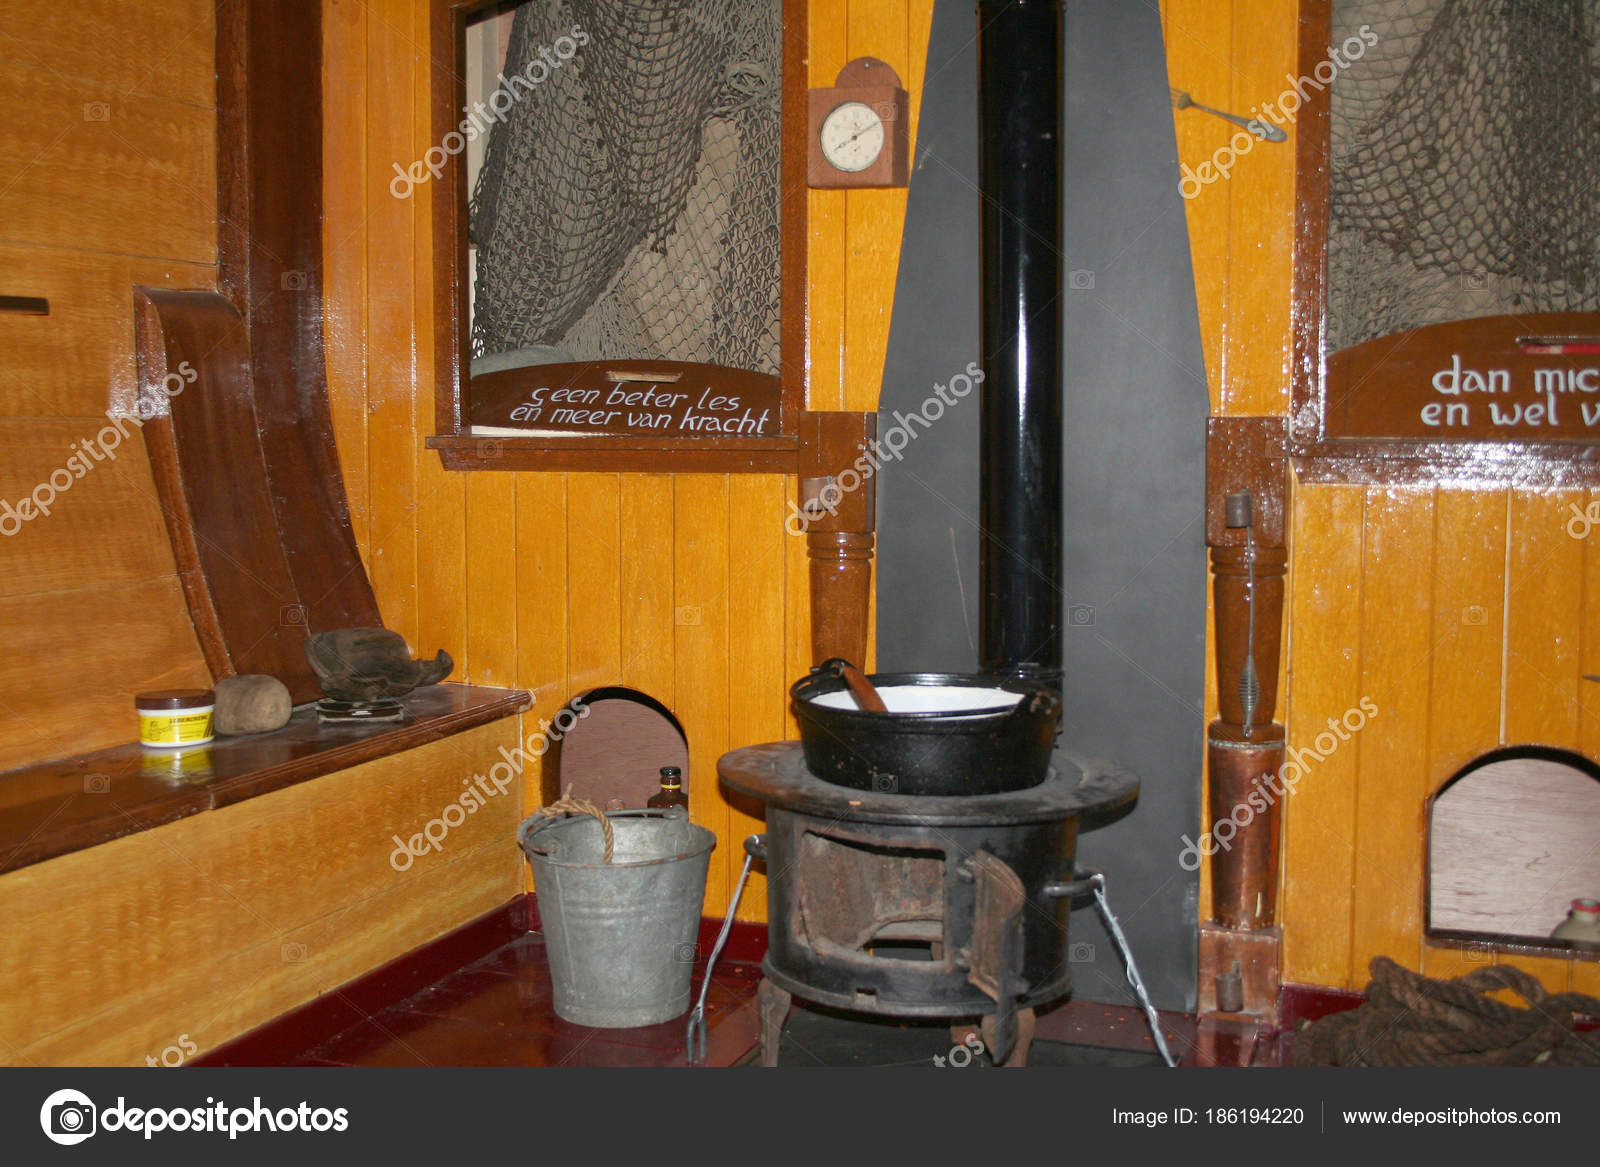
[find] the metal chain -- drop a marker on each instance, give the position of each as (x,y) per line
(695,1039)
(1098,881)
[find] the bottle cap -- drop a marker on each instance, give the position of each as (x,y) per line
(1592,907)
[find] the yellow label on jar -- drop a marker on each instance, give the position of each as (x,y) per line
(175,728)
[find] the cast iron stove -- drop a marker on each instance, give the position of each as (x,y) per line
(919,906)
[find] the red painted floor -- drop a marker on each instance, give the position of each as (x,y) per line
(498,1012)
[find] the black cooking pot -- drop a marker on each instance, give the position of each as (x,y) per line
(944,734)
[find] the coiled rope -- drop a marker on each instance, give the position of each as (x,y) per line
(1412,1020)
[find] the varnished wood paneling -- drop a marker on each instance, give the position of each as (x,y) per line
(797,613)
(488,526)
(107,179)
(214,924)
(705,659)
(159,48)
(1544,595)
(243,989)
(344,278)
(757,685)
(827,349)
(1199,41)
(1325,663)
(874,220)
(1392,747)
(1468,629)
(466,524)
(594,580)
(646,516)
(1260,235)
(105,529)
(396,414)
(542,660)
(1544,619)
(124,637)
(138,173)
(77,360)
(1585,976)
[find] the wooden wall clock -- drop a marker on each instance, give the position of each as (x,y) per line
(859,129)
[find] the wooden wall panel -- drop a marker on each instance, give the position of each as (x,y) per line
(1468,638)
(797,612)
(594,580)
(94,168)
(454,569)
(1391,748)
(1319,820)
(542,660)
(105,528)
(1260,222)
(80,656)
(160,48)
(1544,621)
(397,414)
(344,276)
(827,50)
(216,923)
(107,179)
(484,530)
(1200,61)
(73,362)
(758,682)
(874,220)
(1586,974)
(648,570)
(705,659)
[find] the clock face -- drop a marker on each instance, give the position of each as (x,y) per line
(852,136)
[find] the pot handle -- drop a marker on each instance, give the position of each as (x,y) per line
(1084,880)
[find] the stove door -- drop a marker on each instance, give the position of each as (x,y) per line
(996,954)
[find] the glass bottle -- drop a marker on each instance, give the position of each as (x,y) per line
(671,792)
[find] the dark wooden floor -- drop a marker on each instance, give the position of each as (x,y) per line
(498,1012)
(481,996)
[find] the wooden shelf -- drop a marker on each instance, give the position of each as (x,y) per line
(55,808)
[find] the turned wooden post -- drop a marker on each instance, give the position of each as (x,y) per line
(1246,487)
(837,509)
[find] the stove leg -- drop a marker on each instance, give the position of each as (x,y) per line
(773,1005)
(1019,1050)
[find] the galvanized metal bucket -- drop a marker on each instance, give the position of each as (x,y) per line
(620,936)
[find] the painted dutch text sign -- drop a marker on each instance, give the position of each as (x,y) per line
(666,398)
(1500,378)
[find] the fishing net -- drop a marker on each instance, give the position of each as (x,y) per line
(1465,163)
(628,202)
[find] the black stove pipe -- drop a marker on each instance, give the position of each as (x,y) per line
(1019,174)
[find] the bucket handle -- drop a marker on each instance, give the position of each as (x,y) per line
(566,804)
(526,835)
